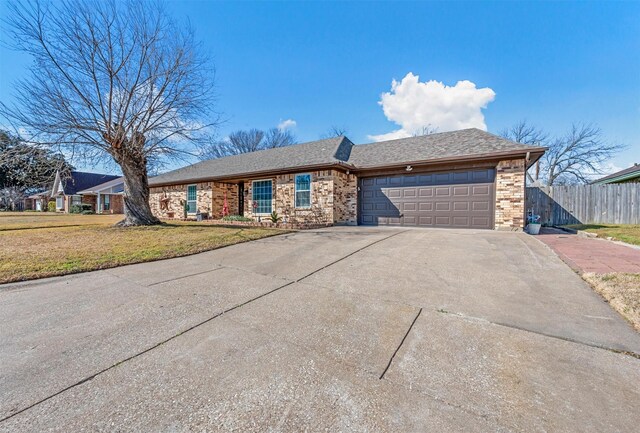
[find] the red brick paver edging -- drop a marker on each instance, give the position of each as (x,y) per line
(591,254)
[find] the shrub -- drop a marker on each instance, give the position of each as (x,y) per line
(274,217)
(88,212)
(51,206)
(75,208)
(236,218)
(86,206)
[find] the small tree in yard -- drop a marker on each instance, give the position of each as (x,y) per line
(114,80)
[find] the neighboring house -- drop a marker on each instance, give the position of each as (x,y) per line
(463,179)
(107,197)
(37,201)
(628,175)
(67,192)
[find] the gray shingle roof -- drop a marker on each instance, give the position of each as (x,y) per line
(322,152)
(80,180)
(444,145)
(626,173)
(340,150)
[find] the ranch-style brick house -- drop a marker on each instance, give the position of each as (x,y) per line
(461,179)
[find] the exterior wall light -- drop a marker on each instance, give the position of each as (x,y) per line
(409,168)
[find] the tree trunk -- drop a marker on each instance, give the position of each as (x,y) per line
(137,211)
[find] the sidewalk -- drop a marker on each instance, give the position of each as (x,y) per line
(591,254)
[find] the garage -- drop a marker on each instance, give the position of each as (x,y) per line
(447,199)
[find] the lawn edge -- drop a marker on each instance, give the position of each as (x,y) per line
(277,232)
(613,305)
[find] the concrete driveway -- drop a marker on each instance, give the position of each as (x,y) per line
(343,329)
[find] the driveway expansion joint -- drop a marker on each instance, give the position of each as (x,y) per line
(349,255)
(185,276)
(155,346)
(544,334)
(401,343)
(228,310)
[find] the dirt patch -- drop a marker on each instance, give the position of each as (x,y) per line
(622,291)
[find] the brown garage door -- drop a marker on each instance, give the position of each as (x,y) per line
(453,199)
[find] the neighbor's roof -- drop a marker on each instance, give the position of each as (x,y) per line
(80,180)
(622,175)
(117,185)
(445,146)
(40,194)
(327,152)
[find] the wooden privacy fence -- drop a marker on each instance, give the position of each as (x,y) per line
(586,204)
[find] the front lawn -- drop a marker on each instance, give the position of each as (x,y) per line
(27,220)
(628,233)
(622,291)
(44,245)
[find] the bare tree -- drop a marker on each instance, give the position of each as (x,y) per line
(575,157)
(251,140)
(425,130)
(334,131)
(578,156)
(28,168)
(276,137)
(524,133)
(114,80)
(11,198)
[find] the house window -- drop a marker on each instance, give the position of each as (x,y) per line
(262,193)
(303,190)
(59,202)
(107,202)
(76,199)
(192,197)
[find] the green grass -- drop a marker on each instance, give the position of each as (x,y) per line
(628,233)
(44,245)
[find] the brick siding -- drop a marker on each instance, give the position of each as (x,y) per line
(326,186)
(345,197)
(177,193)
(334,197)
(510,190)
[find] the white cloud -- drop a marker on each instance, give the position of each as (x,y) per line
(414,105)
(287,124)
(603,169)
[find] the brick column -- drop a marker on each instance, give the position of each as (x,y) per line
(510,190)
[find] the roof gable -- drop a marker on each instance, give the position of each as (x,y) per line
(79,181)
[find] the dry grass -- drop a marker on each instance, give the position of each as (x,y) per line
(43,245)
(622,291)
(628,233)
(27,220)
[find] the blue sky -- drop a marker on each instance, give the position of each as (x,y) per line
(327,63)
